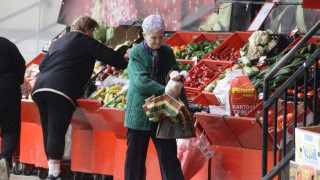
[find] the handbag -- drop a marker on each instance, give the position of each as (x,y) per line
(175,119)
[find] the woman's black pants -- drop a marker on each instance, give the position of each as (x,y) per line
(55,112)
(10,122)
(138,142)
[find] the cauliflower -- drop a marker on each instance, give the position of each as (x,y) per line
(254,52)
(259,38)
(271,44)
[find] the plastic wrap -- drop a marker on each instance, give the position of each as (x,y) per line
(193,154)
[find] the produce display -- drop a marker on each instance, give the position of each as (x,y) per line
(258,44)
(112,96)
(199,75)
(285,72)
(199,49)
(184,67)
(107,71)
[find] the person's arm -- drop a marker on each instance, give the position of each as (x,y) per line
(106,55)
(172,64)
(43,61)
(139,76)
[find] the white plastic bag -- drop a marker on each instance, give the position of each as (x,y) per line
(173,88)
(222,89)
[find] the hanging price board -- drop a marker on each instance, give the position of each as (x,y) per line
(261,16)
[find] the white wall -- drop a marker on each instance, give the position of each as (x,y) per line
(30,24)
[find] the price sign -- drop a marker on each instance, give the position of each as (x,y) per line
(195,60)
(293,32)
(261,16)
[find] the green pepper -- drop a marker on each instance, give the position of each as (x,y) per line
(178,54)
(198,53)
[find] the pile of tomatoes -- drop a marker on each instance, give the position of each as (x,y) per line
(280,117)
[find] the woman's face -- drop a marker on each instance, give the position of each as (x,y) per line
(154,39)
(89,32)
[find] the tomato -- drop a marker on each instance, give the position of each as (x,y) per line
(279,127)
(280,119)
(271,112)
(290,91)
(270,121)
(290,117)
(300,95)
(310,93)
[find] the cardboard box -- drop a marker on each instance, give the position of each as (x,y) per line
(300,171)
(307,141)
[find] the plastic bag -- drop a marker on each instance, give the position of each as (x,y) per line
(193,154)
(173,88)
(222,89)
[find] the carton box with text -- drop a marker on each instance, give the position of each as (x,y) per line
(307,141)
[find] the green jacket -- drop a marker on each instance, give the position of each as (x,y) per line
(142,86)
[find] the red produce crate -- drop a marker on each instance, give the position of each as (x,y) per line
(206,99)
(182,38)
(216,66)
(313,39)
(184,61)
(212,37)
(234,42)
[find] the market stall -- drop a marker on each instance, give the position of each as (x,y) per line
(230,119)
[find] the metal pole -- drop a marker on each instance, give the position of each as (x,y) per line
(38,27)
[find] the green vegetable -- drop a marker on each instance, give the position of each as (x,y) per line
(99,33)
(254,68)
(247,70)
(311,48)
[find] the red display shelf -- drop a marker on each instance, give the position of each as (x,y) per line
(115,118)
(206,99)
(217,129)
(90,109)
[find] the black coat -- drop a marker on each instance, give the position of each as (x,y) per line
(68,65)
(12,69)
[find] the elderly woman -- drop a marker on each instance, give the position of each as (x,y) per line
(64,72)
(150,62)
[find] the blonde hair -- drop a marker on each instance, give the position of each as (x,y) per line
(83,23)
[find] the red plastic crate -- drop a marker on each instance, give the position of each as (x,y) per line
(184,61)
(182,38)
(216,66)
(234,42)
(206,99)
(313,39)
(212,37)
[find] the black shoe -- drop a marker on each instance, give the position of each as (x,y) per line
(51,177)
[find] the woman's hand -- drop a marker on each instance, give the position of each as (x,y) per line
(175,75)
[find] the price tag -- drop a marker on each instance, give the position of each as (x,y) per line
(293,32)
(195,60)
(261,16)
(261,59)
(98,83)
